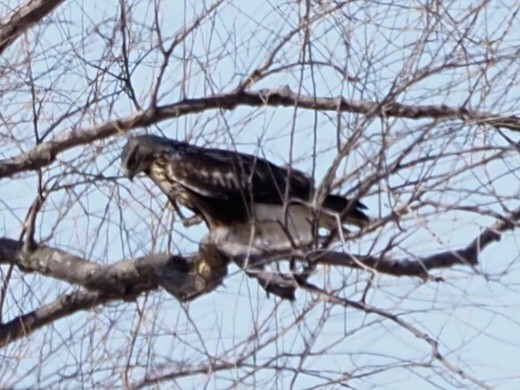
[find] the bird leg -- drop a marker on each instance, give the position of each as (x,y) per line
(190,221)
(186,221)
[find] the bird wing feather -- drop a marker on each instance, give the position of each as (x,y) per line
(228,175)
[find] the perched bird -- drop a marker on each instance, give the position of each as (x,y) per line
(249,204)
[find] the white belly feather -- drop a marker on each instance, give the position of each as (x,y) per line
(275,229)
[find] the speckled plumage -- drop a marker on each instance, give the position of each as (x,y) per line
(237,191)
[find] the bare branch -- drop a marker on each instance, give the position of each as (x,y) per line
(283,286)
(420,267)
(433,344)
(45,153)
(183,277)
(65,305)
(23,18)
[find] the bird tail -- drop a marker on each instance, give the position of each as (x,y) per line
(337,205)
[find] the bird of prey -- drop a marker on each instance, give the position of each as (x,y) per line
(248,203)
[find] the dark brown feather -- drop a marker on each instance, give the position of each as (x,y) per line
(224,185)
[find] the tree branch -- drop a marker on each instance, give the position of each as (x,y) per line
(186,278)
(23,18)
(63,306)
(46,152)
(420,267)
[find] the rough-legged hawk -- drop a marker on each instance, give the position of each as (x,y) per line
(248,203)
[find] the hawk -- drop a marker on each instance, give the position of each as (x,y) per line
(249,204)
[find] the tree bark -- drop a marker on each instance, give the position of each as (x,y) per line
(23,18)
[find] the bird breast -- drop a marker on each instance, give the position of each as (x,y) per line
(168,185)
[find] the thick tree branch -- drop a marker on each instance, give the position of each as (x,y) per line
(189,277)
(45,153)
(283,286)
(399,267)
(186,278)
(183,277)
(23,18)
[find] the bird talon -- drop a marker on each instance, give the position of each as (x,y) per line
(191,221)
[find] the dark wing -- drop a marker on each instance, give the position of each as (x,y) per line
(233,180)
(223,174)
(223,184)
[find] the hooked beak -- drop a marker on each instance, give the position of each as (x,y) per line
(128,174)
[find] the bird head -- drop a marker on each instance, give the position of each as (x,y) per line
(136,156)
(140,152)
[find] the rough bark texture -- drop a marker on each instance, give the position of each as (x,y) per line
(23,18)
